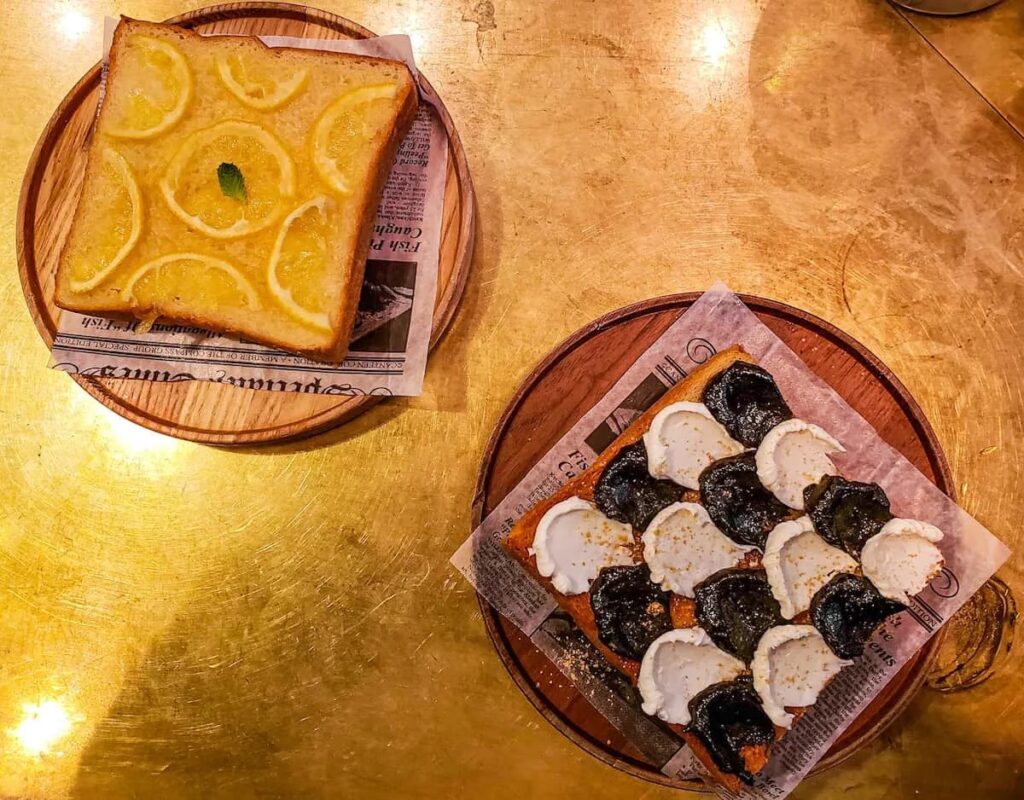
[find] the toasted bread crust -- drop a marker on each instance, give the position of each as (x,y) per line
(348,262)
(367,216)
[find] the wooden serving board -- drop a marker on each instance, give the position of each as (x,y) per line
(203,411)
(574,377)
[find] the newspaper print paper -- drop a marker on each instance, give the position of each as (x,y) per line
(391,336)
(716,321)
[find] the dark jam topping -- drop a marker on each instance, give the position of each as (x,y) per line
(626,491)
(846,513)
(745,399)
(727,717)
(630,611)
(847,610)
(737,502)
(736,607)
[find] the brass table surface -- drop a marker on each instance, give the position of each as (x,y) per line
(178,621)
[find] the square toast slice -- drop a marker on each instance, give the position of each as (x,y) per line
(233,186)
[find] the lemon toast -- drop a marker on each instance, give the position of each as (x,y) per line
(233,186)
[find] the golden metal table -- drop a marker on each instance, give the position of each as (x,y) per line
(178,621)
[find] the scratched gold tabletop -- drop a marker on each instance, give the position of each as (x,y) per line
(179,621)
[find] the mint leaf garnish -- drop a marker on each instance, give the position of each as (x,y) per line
(232,184)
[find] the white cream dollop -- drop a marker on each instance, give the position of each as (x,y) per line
(798,562)
(682,546)
(683,439)
(678,665)
(574,541)
(902,558)
(792,455)
(791,665)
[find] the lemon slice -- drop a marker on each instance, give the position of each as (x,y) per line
(121,215)
(189,277)
(343,129)
(262,92)
(154,89)
(299,258)
(192,190)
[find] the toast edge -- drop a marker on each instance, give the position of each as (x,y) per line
(381,171)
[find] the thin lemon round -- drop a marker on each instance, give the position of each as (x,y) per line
(245,288)
(344,127)
(151,96)
(307,251)
(248,146)
(264,93)
(126,178)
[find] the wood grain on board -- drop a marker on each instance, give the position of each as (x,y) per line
(204,411)
(572,379)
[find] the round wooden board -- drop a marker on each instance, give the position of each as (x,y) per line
(578,373)
(203,411)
